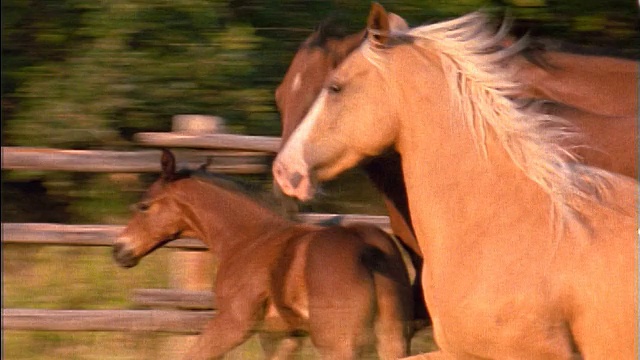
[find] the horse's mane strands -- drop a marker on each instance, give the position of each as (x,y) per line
(485,90)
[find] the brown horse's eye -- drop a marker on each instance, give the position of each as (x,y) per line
(142,207)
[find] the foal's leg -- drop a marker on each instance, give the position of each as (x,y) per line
(392,324)
(279,346)
(228,329)
(341,298)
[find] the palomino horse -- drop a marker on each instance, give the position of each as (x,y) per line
(612,139)
(338,284)
(527,253)
(598,94)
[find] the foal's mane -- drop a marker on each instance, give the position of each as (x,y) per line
(485,90)
(246,189)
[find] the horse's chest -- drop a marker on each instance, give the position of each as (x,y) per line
(511,325)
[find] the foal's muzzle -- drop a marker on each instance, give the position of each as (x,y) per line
(123,256)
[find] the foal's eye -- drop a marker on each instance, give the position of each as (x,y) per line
(334,88)
(142,207)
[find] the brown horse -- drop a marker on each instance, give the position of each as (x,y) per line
(338,284)
(528,254)
(596,84)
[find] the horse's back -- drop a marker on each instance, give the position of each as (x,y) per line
(606,142)
(574,79)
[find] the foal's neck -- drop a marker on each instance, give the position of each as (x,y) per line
(226,219)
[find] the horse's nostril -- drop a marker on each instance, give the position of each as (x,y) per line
(296,179)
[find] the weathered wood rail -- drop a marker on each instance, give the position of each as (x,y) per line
(103,235)
(209,141)
(45,159)
(170,321)
(174,299)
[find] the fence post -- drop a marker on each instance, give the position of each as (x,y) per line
(191,270)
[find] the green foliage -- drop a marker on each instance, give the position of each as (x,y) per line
(139,64)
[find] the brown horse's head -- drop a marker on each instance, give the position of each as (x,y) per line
(154,220)
(319,54)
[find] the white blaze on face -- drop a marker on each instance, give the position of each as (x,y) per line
(290,162)
(295,86)
(303,131)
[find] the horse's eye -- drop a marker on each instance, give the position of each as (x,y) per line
(142,207)
(335,88)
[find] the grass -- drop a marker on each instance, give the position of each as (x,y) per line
(51,277)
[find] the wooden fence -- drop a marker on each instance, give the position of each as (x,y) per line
(165,310)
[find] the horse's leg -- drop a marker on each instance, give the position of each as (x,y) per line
(277,346)
(392,325)
(340,332)
(228,329)
(342,295)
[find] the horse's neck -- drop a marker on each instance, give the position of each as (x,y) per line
(457,197)
(226,219)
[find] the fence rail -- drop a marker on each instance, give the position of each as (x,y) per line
(46,159)
(170,321)
(174,299)
(103,235)
(209,141)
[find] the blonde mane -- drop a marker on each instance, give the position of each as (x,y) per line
(485,90)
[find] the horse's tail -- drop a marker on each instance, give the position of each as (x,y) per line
(393,292)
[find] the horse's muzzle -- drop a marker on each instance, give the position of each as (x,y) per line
(123,256)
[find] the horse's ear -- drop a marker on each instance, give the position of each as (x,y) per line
(397,23)
(378,24)
(168,164)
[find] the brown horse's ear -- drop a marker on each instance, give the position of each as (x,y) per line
(168,164)
(378,24)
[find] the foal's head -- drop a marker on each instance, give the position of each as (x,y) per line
(156,219)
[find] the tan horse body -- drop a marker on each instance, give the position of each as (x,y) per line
(611,139)
(346,287)
(527,254)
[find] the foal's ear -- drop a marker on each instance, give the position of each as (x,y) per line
(168,164)
(378,24)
